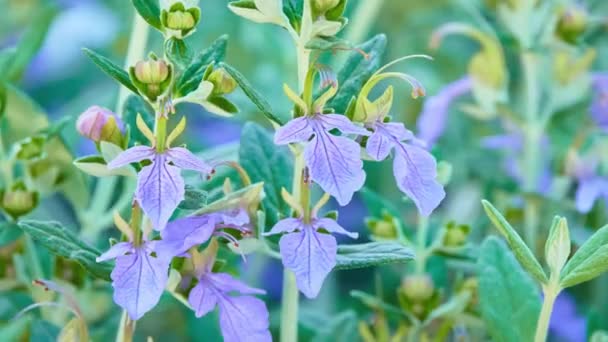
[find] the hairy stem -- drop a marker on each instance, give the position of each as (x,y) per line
(542,327)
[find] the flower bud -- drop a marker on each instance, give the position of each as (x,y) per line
(180,17)
(151,77)
(418,288)
(455,234)
(223,83)
(557,247)
(100,124)
(572,23)
(18,201)
(322,6)
(385,228)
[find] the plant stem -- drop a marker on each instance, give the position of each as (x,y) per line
(550,294)
(160,132)
(126,328)
(421,252)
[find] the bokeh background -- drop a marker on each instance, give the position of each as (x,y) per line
(64,82)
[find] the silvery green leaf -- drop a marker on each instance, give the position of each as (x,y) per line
(371,254)
(111,69)
(63,242)
(239,198)
(557,246)
(149,11)
(589,261)
(9,233)
(194,72)
(260,11)
(178,52)
(325,28)
(457,304)
(328,43)
(194,199)
(202,97)
(509,299)
(268,163)
(523,254)
(96,166)
(134,105)
(252,93)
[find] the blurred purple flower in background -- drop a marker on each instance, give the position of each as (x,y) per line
(591,185)
(599,104)
(433,119)
(566,324)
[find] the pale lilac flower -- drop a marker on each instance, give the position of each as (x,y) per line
(434,116)
(160,186)
(591,186)
(242,316)
(139,277)
(566,324)
(334,161)
(308,253)
(184,233)
(599,105)
(91,122)
(415,169)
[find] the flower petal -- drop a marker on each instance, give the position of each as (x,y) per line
(184,159)
(227,283)
(415,171)
(296,130)
(115,251)
(335,164)
(182,234)
(311,256)
(160,188)
(244,318)
(333,227)
(379,146)
(287,225)
(342,123)
(139,280)
(132,155)
(237,217)
(202,298)
(587,192)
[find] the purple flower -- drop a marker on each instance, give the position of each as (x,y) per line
(160,186)
(242,316)
(434,116)
(599,105)
(139,277)
(310,254)
(565,322)
(182,234)
(91,123)
(414,168)
(334,161)
(591,186)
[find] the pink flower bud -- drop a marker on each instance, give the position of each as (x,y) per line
(100,124)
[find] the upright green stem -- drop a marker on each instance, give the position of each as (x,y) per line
(551,292)
(160,132)
(421,251)
(126,328)
(136,51)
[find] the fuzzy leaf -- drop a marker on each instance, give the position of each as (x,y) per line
(194,199)
(328,43)
(9,233)
(251,93)
(372,254)
(508,297)
(133,106)
(149,11)
(589,261)
(111,69)
(178,52)
(357,70)
(268,163)
(194,72)
(523,254)
(63,242)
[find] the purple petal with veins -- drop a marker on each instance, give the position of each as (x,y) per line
(185,160)
(182,234)
(132,155)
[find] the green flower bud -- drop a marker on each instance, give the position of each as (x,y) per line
(180,17)
(455,234)
(322,6)
(385,228)
(151,77)
(572,23)
(223,83)
(418,288)
(179,20)
(18,201)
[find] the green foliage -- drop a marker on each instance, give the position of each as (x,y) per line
(194,199)
(268,163)
(372,254)
(589,261)
(9,233)
(194,72)
(508,297)
(111,69)
(178,52)
(523,254)
(63,242)
(150,11)
(134,105)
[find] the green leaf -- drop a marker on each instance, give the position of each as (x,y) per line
(30,42)
(456,305)
(251,93)
(357,70)
(371,254)
(508,298)
(150,11)
(111,69)
(194,199)
(9,233)
(588,262)
(178,52)
(523,254)
(224,104)
(194,72)
(268,163)
(65,243)
(133,105)
(328,43)
(7,56)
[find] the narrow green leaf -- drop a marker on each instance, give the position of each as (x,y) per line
(178,52)
(7,56)
(65,243)
(134,105)
(268,163)
(328,43)
(193,74)
(9,233)
(508,298)
(31,41)
(371,254)
(456,305)
(111,69)
(523,254)
(252,94)
(150,11)
(194,199)
(357,70)
(589,261)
